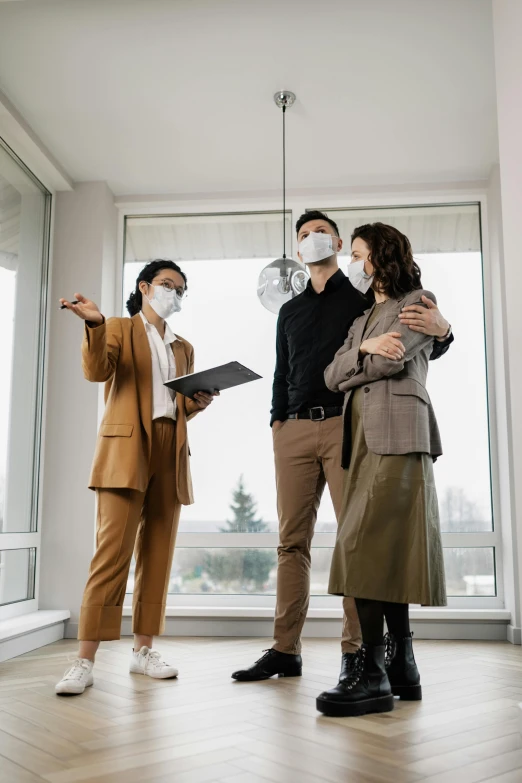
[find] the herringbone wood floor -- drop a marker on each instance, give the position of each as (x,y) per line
(205,727)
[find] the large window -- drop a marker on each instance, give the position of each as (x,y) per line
(227,540)
(24,224)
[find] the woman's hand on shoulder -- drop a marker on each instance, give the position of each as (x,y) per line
(84,309)
(387,345)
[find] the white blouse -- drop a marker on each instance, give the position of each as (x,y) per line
(163,369)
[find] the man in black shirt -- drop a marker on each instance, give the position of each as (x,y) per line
(307,430)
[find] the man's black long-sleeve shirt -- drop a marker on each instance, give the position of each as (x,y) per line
(310,330)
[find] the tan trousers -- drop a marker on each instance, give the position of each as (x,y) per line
(144,522)
(307,456)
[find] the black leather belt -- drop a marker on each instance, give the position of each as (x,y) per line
(317,414)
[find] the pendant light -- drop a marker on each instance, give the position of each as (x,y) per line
(284,278)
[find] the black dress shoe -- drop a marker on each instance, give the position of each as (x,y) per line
(366,689)
(271,663)
(402,670)
(347,663)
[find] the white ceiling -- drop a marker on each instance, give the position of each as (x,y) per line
(175,96)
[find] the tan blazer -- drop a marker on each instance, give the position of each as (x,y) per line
(118,353)
(398,417)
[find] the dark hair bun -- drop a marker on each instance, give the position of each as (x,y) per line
(134,303)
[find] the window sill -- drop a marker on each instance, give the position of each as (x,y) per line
(256,612)
(19,635)
(35,621)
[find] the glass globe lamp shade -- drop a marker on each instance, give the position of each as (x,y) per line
(280,281)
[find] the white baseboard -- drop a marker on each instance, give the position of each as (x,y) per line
(489,628)
(514,634)
(480,630)
(20,635)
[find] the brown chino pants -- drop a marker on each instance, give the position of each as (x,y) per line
(307,456)
(144,522)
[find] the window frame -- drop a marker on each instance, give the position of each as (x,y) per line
(32,538)
(331,203)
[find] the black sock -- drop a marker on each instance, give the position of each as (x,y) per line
(397,619)
(371,618)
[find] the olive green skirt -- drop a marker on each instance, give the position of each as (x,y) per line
(388,543)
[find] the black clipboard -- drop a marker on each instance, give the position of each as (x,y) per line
(217,379)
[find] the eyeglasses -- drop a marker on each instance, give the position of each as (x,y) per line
(168,285)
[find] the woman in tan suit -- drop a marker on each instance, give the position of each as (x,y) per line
(388,552)
(141,471)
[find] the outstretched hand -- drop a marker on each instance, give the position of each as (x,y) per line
(84,309)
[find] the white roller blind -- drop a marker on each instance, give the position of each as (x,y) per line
(431,229)
(205,237)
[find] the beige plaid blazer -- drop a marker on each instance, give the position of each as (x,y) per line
(398,417)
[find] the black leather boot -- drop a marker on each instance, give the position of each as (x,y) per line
(271,663)
(401,668)
(347,663)
(366,688)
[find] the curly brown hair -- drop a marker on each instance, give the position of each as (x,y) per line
(395,271)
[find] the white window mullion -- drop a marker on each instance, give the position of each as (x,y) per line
(19,540)
(211,540)
(244,540)
(469,540)
(267,540)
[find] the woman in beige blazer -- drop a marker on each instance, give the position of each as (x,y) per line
(388,552)
(141,471)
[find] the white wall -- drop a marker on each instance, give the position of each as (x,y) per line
(84,249)
(507,22)
(500,408)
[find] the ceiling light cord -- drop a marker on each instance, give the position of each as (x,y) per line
(284,185)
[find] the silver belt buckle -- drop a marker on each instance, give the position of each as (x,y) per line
(317,414)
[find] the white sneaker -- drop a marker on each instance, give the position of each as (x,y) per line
(77,678)
(150,663)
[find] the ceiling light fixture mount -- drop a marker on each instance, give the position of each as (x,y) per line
(284,99)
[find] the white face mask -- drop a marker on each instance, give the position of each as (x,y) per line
(164,303)
(317,247)
(358,277)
